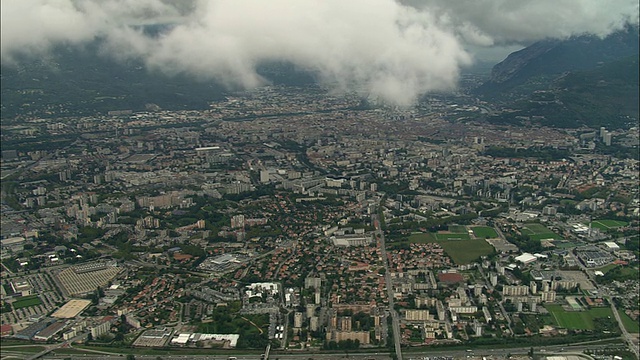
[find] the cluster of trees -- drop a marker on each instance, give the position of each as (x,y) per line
(525,243)
(542,153)
(618,273)
(342,345)
(228,321)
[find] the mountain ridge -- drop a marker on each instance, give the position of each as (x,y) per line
(545,60)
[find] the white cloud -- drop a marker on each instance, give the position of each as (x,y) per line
(522,21)
(392,50)
(32,26)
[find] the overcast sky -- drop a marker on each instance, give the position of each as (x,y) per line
(394,50)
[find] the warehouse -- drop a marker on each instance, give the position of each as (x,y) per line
(47,333)
(71,309)
(526,258)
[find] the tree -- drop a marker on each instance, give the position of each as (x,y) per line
(131,357)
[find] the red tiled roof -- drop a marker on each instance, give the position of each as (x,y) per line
(450,278)
(5,329)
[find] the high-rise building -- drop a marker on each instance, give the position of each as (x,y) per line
(311,309)
(101,329)
(237,221)
(345,323)
(297,319)
(416,315)
(264,176)
(312,282)
(548,296)
(313,323)
(607,138)
(477,328)
(515,290)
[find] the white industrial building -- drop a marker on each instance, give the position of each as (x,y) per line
(611,246)
(526,258)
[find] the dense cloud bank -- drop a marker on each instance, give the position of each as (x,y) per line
(395,51)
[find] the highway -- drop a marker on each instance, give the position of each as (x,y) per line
(628,338)
(563,350)
(397,336)
(13,352)
(633,345)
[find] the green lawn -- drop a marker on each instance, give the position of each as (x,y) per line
(605,224)
(629,271)
(537,228)
(571,320)
(546,236)
(458,229)
(29,349)
(564,244)
(484,232)
(460,251)
(577,320)
(629,324)
(457,236)
(27,301)
(605,269)
(422,238)
(539,232)
(600,312)
(537,321)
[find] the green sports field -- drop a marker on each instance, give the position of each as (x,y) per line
(539,232)
(564,244)
(607,224)
(460,251)
(27,301)
(456,236)
(484,232)
(536,228)
(577,320)
(458,229)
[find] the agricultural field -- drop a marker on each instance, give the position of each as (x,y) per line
(577,320)
(539,232)
(484,232)
(460,251)
(605,224)
(27,301)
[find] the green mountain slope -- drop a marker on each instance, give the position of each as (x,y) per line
(537,66)
(605,96)
(81,81)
